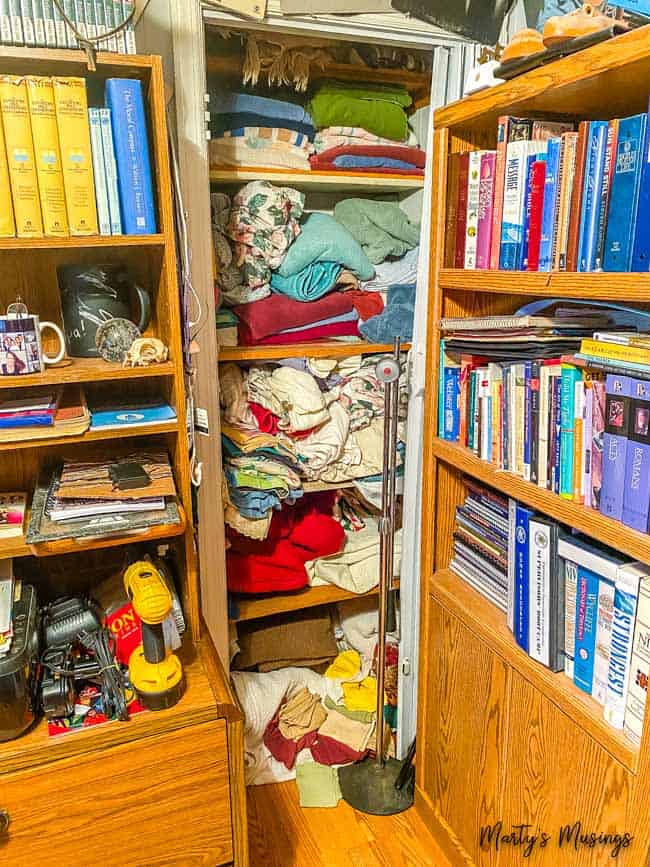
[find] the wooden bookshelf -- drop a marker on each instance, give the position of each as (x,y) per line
(501,737)
(315,181)
(323,349)
(78,243)
(71,370)
(94,436)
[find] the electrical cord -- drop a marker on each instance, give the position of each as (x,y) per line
(112,679)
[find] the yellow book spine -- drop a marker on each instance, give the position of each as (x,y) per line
(7,222)
(40,97)
(615,351)
(76,154)
(20,156)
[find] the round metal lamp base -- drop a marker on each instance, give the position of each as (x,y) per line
(371,789)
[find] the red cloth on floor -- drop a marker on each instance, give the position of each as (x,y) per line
(265,317)
(367,304)
(267,422)
(282,749)
(297,533)
(327,751)
(305,335)
(415,156)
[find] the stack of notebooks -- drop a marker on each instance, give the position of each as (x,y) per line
(43,414)
(70,170)
(39,23)
(127,493)
(577,425)
(553,198)
(111,414)
(572,604)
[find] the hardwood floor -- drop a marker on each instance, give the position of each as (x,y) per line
(282,834)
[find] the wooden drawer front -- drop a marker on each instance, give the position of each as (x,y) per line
(154,801)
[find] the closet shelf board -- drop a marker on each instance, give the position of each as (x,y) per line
(608,286)
(251,608)
(375,182)
(86,370)
(583,518)
(485,620)
(323,349)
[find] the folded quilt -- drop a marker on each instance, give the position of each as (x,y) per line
(382,228)
(221,123)
(334,136)
(270,315)
(324,239)
(225,102)
(309,284)
(413,158)
(253,151)
(375,164)
(376,108)
(306,335)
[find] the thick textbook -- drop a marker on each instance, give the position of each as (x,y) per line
(522,554)
(7,222)
(624,197)
(615,439)
(637,690)
(546,594)
(125,101)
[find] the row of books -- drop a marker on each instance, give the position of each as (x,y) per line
(553,198)
(572,604)
(69,170)
(39,23)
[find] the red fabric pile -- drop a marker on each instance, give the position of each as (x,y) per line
(261,321)
(324,161)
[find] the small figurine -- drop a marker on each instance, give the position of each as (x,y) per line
(145,351)
(114,338)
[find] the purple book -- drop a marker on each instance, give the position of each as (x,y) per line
(485,205)
(586,443)
(617,417)
(636,497)
(597,434)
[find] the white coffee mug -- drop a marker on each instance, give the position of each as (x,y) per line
(21,349)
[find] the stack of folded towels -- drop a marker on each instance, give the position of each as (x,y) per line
(364,127)
(250,130)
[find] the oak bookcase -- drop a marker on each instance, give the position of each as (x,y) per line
(177,774)
(499,736)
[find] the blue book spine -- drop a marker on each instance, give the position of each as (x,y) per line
(527,410)
(641,250)
(586,624)
(624,200)
(548,209)
(522,522)
(617,417)
(441,390)
(451,429)
(44,420)
(636,495)
(570,375)
(513,205)
(591,195)
(124,99)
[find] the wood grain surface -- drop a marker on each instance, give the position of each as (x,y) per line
(322,349)
(601,285)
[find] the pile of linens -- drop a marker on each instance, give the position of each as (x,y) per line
(363,127)
(291,277)
(287,426)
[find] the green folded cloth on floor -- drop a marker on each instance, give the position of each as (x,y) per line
(363,716)
(318,785)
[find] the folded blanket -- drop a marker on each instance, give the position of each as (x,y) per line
(397,318)
(393,271)
(277,312)
(324,239)
(314,281)
(225,102)
(265,134)
(413,157)
(382,228)
(334,136)
(378,109)
(375,164)
(306,335)
(256,152)
(220,123)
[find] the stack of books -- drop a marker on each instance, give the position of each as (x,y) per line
(67,170)
(123,494)
(42,414)
(572,604)
(39,23)
(553,198)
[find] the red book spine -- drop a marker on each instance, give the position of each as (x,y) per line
(576,198)
(538,177)
(461,210)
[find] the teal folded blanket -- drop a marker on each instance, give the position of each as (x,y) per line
(324,239)
(382,228)
(311,283)
(378,109)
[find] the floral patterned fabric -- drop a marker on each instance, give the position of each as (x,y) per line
(263,223)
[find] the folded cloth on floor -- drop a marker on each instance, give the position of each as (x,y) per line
(301,714)
(263,222)
(303,532)
(363,716)
(393,271)
(382,228)
(228,152)
(285,750)
(271,315)
(304,335)
(318,785)
(327,751)
(313,281)
(367,304)
(335,136)
(380,109)
(229,102)
(395,158)
(230,121)
(361,694)
(352,733)
(397,318)
(292,395)
(324,239)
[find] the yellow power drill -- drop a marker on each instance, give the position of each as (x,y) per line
(155,672)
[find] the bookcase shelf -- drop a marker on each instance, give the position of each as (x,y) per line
(583,518)
(86,370)
(324,349)
(93,436)
(605,286)
(483,618)
(89,242)
(334,181)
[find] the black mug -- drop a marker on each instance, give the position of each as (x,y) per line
(92,294)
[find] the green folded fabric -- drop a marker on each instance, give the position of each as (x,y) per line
(363,716)
(382,228)
(318,785)
(377,109)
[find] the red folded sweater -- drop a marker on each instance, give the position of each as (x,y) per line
(414,156)
(260,319)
